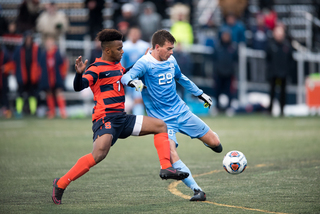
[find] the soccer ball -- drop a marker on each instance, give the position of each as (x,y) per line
(234,162)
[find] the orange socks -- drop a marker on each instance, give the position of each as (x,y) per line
(62,105)
(162,144)
(51,106)
(80,168)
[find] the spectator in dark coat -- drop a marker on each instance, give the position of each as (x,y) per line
(95,20)
(27,72)
(52,77)
(236,27)
(280,62)
(28,13)
(225,57)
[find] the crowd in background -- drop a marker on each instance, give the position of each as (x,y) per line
(43,68)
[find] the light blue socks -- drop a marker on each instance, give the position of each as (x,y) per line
(189,181)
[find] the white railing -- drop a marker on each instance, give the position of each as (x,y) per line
(244,85)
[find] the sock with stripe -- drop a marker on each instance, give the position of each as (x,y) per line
(189,181)
(162,144)
(80,168)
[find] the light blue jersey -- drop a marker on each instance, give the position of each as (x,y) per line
(160,97)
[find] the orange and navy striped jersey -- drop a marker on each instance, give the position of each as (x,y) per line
(103,77)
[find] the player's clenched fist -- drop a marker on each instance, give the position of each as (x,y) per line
(138,84)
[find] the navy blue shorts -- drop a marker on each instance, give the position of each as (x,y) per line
(118,125)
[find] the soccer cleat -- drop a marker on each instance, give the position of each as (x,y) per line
(172,173)
(56,192)
(198,196)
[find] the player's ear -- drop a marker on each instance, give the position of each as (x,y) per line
(107,49)
(157,47)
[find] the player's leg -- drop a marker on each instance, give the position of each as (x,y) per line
(211,140)
(101,147)
(51,104)
(193,126)
(177,163)
(150,125)
(32,99)
(61,103)
(20,101)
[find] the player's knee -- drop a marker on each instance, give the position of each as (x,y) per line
(99,155)
(161,126)
(216,140)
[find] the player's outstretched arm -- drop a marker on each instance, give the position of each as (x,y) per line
(130,78)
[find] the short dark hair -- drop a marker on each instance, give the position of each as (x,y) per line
(108,35)
(160,37)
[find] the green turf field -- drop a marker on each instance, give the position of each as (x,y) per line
(283,174)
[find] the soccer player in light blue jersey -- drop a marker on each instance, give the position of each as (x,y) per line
(157,73)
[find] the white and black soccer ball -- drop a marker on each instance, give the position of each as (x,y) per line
(234,162)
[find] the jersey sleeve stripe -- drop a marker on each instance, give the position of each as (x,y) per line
(113,100)
(107,87)
(85,82)
(94,76)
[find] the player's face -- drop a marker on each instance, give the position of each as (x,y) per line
(116,51)
(165,51)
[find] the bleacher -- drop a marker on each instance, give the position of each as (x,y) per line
(75,10)
(292,13)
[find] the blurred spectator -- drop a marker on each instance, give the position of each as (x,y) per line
(28,13)
(149,20)
(270,17)
(27,72)
(95,20)
(3,23)
(236,27)
(4,87)
(235,7)
(12,38)
(134,48)
(117,6)
(224,57)
(52,22)
(96,52)
(126,20)
(181,29)
(280,62)
(161,6)
(260,37)
(52,82)
(260,34)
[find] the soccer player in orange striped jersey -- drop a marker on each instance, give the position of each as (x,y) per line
(110,122)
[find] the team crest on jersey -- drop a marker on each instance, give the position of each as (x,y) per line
(171,66)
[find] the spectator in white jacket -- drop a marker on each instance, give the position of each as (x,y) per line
(52,22)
